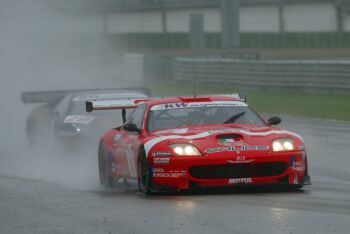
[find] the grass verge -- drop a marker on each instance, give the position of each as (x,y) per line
(328,106)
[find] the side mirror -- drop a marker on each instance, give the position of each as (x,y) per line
(274,120)
(131,127)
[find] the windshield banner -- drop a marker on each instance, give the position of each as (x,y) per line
(181,105)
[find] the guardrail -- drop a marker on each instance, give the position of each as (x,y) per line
(304,75)
(144,5)
(181,41)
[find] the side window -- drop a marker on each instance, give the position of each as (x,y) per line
(137,116)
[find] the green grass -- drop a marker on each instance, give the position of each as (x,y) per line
(328,106)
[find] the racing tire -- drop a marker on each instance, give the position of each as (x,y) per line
(106,180)
(144,179)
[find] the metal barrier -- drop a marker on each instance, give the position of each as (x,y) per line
(304,75)
(137,5)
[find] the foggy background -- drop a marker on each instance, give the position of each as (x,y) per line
(47,45)
(44,47)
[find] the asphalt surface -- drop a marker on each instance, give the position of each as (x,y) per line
(40,193)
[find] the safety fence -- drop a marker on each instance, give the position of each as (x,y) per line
(310,76)
(144,5)
(248,40)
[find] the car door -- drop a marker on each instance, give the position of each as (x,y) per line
(130,143)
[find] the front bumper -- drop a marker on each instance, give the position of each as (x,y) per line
(184,172)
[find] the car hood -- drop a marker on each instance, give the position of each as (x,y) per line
(220,138)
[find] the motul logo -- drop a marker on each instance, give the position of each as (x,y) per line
(240,181)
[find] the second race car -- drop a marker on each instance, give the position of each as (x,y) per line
(62,120)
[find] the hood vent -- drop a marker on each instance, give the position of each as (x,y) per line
(232,137)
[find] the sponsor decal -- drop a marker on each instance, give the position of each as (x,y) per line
(173,131)
(107,96)
(155,170)
(296,165)
(226,142)
(212,150)
(240,162)
(240,159)
(292,161)
(168,174)
(216,104)
(295,181)
(85,97)
(262,147)
(116,138)
(160,153)
(130,156)
(79,119)
(175,105)
(239,144)
(237,148)
(179,105)
(164,161)
(302,147)
(240,181)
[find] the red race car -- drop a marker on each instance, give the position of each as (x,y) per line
(179,143)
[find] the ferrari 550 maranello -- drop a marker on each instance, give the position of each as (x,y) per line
(179,143)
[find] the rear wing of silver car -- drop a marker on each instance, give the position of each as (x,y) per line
(43,96)
(117,104)
(56,95)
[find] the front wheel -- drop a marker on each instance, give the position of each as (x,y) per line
(144,175)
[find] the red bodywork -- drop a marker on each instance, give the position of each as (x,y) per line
(247,159)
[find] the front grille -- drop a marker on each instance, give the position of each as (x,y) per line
(237,170)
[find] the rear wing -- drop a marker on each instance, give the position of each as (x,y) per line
(43,96)
(56,95)
(121,104)
(111,104)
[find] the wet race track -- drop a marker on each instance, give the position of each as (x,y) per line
(62,195)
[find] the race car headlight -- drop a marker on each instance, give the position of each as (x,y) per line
(185,149)
(70,129)
(282,145)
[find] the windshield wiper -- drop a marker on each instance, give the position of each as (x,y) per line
(234,118)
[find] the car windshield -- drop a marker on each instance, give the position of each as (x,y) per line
(175,115)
